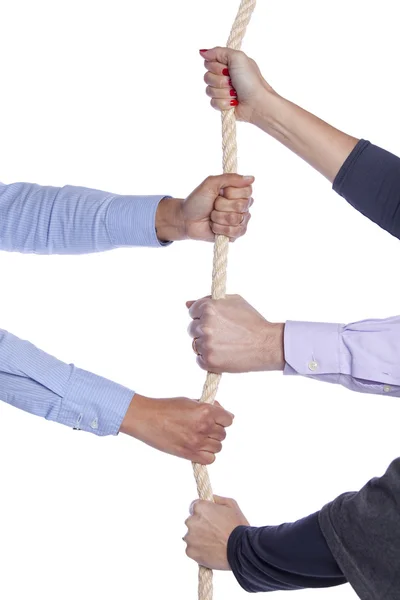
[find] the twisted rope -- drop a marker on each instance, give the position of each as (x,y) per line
(219,275)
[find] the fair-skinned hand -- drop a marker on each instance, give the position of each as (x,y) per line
(232,337)
(219,205)
(209,528)
(234,79)
(178,426)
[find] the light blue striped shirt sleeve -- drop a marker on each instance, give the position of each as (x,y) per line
(73,220)
(68,220)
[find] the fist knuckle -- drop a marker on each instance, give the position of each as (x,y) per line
(207,410)
(236,219)
(240,205)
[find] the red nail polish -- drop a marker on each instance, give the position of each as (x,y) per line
(234,102)
(225,72)
(232,92)
(204,50)
(230,82)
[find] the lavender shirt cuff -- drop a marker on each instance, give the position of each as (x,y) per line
(362,356)
(314,348)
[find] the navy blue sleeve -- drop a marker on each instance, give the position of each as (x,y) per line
(291,556)
(369,180)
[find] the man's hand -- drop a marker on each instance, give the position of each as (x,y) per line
(234,79)
(209,528)
(232,337)
(178,426)
(220,205)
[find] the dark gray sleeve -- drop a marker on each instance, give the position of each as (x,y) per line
(362,530)
(291,556)
(369,180)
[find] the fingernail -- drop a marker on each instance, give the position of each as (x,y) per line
(248,177)
(230,82)
(226,72)
(204,50)
(234,102)
(233,92)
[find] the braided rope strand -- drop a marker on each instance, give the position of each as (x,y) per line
(219,275)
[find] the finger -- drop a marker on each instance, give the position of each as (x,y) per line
(201,362)
(194,329)
(190,303)
(229,231)
(227,218)
(216,68)
(221,93)
(204,458)
(192,509)
(222,105)
(239,205)
(196,309)
(218,433)
(223,417)
(211,445)
(219,82)
(234,193)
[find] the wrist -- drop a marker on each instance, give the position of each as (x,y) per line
(273,347)
(135,416)
(269,113)
(170,222)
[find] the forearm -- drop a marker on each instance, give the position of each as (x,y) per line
(42,385)
(322,146)
(76,220)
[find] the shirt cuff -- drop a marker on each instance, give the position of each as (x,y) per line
(93,403)
(314,349)
(131,221)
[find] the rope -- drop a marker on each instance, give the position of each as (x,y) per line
(219,275)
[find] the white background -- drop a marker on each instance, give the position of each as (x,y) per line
(110,95)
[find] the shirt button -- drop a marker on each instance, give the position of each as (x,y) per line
(312,365)
(386,388)
(94,424)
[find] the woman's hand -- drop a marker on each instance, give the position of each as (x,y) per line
(234,79)
(178,426)
(220,205)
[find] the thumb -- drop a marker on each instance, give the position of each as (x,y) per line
(221,500)
(216,403)
(233,180)
(224,56)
